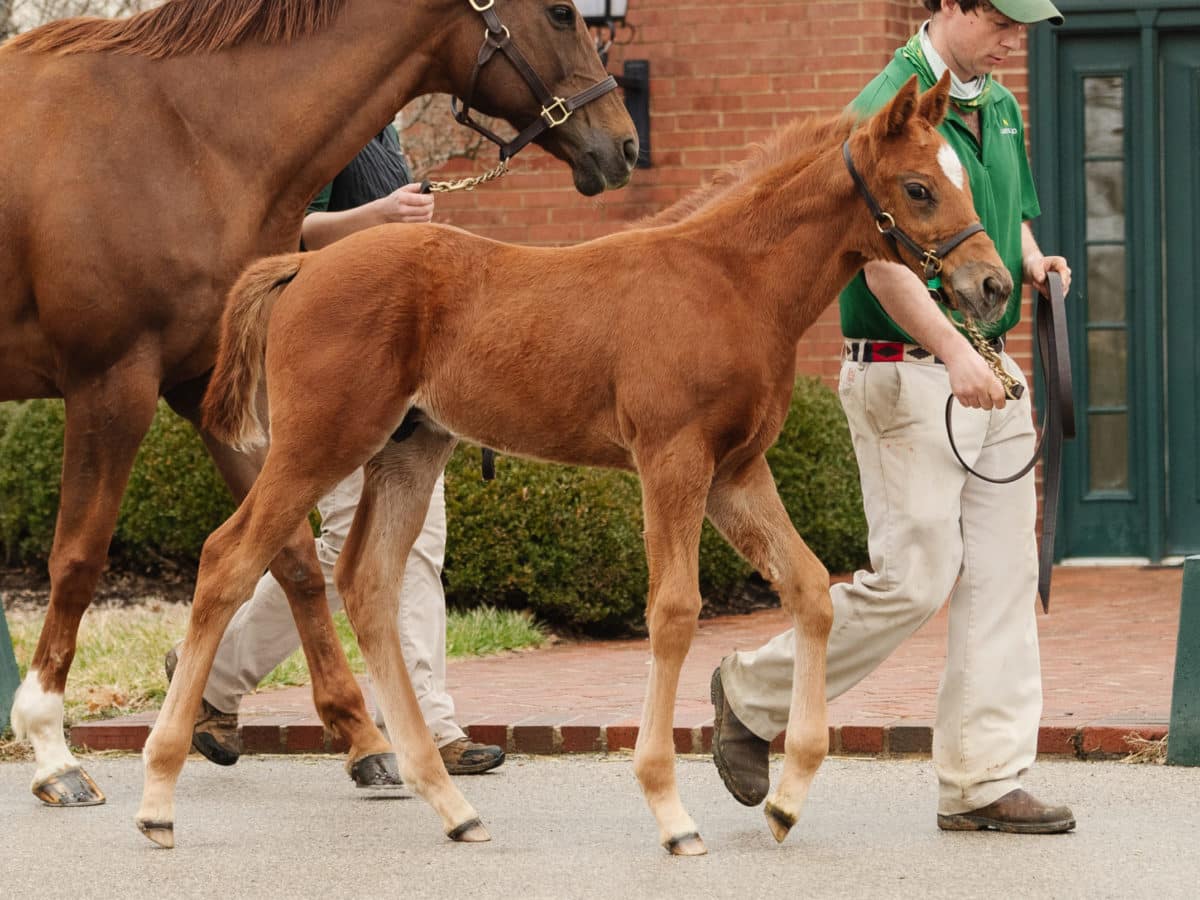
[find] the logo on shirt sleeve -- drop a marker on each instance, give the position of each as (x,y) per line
(1005,128)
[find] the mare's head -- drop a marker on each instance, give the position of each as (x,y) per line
(918,181)
(597,139)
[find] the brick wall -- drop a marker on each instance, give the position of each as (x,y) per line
(723,74)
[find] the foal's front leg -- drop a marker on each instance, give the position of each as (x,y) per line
(674,486)
(370,570)
(745,507)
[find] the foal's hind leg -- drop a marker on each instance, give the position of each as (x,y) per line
(336,694)
(106,421)
(746,509)
(370,570)
(674,485)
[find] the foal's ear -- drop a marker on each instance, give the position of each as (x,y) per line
(891,119)
(933,103)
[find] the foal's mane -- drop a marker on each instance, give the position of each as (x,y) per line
(179,27)
(796,144)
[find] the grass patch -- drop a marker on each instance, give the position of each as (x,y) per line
(118,666)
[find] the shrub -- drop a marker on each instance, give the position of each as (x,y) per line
(30,472)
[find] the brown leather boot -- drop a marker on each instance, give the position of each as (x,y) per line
(1016,812)
(215,735)
(465,757)
(741,755)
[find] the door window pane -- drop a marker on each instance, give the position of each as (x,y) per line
(1104,115)
(1105,200)
(1105,284)
(1107,366)
(1108,451)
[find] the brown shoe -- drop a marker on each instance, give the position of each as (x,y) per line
(464,757)
(740,754)
(1017,812)
(215,734)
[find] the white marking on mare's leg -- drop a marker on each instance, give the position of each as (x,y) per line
(37,717)
(951,165)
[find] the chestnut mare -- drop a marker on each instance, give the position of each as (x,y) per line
(145,162)
(669,350)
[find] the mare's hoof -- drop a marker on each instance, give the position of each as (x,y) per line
(162,833)
(780,821)
(688,844)
(73,787)
(378,770)
(469,832)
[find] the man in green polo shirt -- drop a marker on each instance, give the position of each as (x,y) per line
(934,532)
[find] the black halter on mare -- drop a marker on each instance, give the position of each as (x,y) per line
(555,110)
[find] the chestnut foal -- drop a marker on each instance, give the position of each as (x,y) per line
(669,350)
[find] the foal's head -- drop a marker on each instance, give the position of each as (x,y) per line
(917,180)
(597,140)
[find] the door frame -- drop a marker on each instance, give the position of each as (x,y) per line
(1148,19)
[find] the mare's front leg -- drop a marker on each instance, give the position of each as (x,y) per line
(745,507)
(395,500)
(107,417)
(336,694)
(675,482)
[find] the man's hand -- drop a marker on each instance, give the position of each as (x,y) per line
(972,380)
(406,204)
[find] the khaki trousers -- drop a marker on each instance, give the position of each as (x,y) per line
(934,532)
(262,633)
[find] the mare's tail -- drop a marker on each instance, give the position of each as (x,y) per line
(230,405)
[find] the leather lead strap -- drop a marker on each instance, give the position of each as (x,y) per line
(1058,423)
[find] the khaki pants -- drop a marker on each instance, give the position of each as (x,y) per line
(262,633)
(934,532)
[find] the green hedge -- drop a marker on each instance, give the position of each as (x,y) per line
(565,542)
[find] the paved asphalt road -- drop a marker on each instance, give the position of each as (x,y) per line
(570,827)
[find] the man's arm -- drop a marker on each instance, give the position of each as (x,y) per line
(405,204)
(1035,265)
(907,301)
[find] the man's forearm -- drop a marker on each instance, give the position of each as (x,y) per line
(907,301)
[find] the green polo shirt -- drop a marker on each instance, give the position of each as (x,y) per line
(1001,184)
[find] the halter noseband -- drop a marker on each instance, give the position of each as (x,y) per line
(931,259)
(555,110)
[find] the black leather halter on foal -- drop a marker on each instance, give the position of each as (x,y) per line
(555,110)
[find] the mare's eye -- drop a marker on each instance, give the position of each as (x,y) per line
(562,16)
(918,192)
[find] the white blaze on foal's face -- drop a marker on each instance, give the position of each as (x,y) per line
(951,165)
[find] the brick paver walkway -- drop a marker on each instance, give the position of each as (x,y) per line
(1108,650)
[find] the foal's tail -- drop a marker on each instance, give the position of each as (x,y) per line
(230,405)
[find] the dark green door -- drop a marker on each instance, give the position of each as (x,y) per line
(1124,181)
(1181,232)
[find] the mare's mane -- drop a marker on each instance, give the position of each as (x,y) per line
(796,144)
(179,27)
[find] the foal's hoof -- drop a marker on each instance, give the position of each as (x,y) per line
(779,820)
(688,844)
(378,770)
(72,787)
(162,833)
(469,832)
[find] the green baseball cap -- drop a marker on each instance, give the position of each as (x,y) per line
(1029,11)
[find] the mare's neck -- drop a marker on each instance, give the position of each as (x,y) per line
(307,108)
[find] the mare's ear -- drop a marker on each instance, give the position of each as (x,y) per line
(933,103)
(892,118)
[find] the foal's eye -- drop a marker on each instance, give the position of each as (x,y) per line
(562,16)
(918,192)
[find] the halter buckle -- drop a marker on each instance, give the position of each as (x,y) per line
(551,113)
(891,223)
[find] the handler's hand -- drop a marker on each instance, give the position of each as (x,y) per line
(407,204)
(972,381)
(1036,268)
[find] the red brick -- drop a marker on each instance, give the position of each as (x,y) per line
(909,738)
(305,737)
(262,737)
(580,738)
(1056,740)
(620,737)
(489,733)
(106,736)
(861,738)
